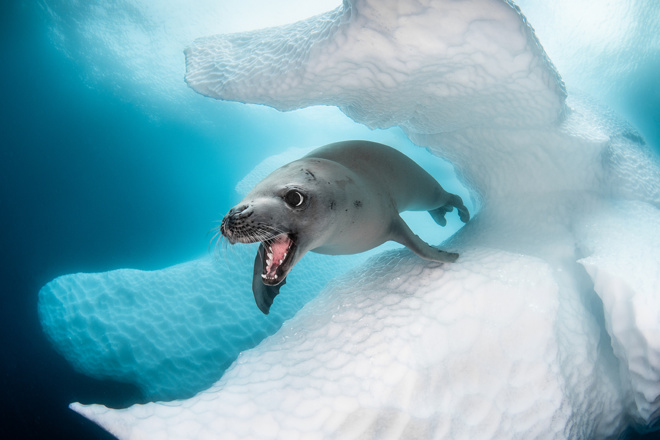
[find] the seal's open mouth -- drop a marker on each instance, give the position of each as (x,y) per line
(279,252)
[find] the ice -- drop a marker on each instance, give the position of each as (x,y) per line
(546,327)
(405,349)
(624,268)
(430,58)
(171,332)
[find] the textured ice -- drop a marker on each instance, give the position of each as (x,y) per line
(624,268)
(546,327)
(429,67)
(171,332)
(354,365)
(477,360)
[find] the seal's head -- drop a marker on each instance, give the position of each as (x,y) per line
(287,212)
(255,222)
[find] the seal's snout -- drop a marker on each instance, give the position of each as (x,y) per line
(234,222)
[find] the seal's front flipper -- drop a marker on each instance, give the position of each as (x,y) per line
(455,201)
(263,294)
(401,233)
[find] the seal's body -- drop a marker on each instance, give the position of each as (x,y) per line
(342,198)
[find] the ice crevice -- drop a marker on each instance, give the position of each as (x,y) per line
(547,325)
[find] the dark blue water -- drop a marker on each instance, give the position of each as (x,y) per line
(87,183)
(91,182)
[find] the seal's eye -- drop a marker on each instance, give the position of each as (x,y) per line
(294,198)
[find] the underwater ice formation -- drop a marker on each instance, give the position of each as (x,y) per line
(546,327)
(171,332)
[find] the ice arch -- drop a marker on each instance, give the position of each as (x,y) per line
(547,327)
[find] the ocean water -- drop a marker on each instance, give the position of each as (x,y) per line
(108,160)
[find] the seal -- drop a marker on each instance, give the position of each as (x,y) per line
(343,198)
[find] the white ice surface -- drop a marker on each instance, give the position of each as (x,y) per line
(407,349)
(429,67)
(624,268)
(546,327)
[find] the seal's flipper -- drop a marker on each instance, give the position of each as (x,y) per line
(455,201)
(438,214)
(463,212)
(401,233)
(263,294)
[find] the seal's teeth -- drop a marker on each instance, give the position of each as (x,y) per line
(282,261)
(263,276)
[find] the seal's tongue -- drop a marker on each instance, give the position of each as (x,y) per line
(276,252)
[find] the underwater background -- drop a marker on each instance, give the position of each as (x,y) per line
(108,160)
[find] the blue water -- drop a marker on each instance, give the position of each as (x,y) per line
(88,182)
(92,179)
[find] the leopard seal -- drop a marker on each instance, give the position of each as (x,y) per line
(343,198)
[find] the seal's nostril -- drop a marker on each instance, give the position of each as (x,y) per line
(238,212)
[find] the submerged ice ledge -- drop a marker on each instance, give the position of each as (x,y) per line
(543,328)
(170,332)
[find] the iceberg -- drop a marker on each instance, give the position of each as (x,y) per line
(546,327)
